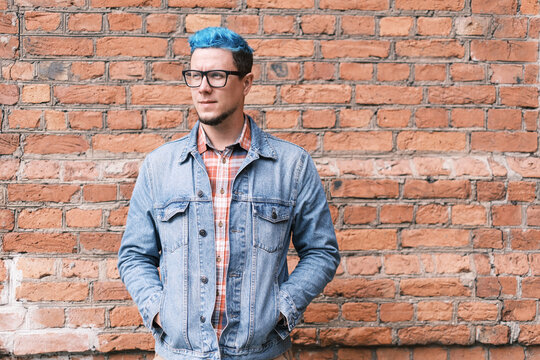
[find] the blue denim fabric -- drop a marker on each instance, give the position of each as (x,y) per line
(277,192)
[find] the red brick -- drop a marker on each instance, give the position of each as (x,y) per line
(7,221)
(477,311)
(126,142)
(29,119)
(358,25)
(495,287)
(196,22)
(488,191)
(124,22)
(86,317)
(46,318)
(395,26)
(362,336)
(318,119)
(396,214)
(512,264)
(434,26)
(442,334)
(260,95)
(356,215)
(125,341)
(392,72)
(9,48)
(131,46)
(87,70)
(355,49)
(118,217)
(468,215)
(524,96)
(125,316)
(359,311)
(506,73)
(432,214)
(27,344)
(453,5)
(43,218)
(386,94)
(468,353)
(452,263)
(12,319)
(319,71)
(44,21)
(363,265)
(52,291)
(434,311)
(85,22)
(297,94)
(521,191)
(9,94)
(165,71)
(127,70)
(461,95)
(37,93)
(504,119)
(18,71)
(55,144)
(393,118)
(100,242)
(500,141)
(529,335)
(39,242)
(37,192)
(162,23)
(355,71)
(80,268)
(401,264)
(160,95)
(519,310)
(318,24)
(99,192)
(58,46)
(506,215)
(85,120)
(124,119)
(430,72)
(510,27)
(431,118)
(436,48)
(50,3)
(503,50)
(360,288)
(365,188)
(367,239)
(80,171)
(83,218)
(126,3)
(280,4)
(507,352)
(496,335)
(321,312)
(181,47)
(435,238)
(500,7)
(420,189)
(467,72)
(110,290)
(354,354)
(487,238)
(90,94)
(274,24)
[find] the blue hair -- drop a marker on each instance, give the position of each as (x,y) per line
(223,38)
(218,37)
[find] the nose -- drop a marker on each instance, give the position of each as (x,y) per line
(205,86)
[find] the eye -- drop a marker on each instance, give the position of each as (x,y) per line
(216,75)
(194,75)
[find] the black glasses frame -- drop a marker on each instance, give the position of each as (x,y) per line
(205,73)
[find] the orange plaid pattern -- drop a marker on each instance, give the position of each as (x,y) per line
(222,167)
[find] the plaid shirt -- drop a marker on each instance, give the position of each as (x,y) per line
(222,167)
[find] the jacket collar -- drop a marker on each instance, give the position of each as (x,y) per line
(260,146)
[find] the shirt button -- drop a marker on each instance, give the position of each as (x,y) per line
(202,233)
(204,279)
(200,193)
(224,160)
(222,191)
(220,224)
(203,319)
(218,259)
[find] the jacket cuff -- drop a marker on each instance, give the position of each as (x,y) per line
(291,314)
(149,311)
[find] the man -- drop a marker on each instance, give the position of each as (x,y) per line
(215,211)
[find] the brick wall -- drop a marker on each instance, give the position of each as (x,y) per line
(420,114)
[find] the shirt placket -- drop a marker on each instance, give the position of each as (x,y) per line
(221,225)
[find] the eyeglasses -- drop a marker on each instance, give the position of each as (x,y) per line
(215,78)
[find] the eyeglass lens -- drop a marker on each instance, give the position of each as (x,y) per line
(216,78)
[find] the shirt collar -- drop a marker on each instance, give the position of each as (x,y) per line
(244,140)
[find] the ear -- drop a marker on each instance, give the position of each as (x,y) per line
(247,81)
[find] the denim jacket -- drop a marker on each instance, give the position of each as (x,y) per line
(167,255)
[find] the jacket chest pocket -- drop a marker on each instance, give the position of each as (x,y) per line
(270,223)
(173,225)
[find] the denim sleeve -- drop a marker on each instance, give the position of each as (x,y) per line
(315,241)
(138,257)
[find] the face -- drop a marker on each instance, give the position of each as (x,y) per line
(217,105)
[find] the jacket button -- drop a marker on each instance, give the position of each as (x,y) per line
(202,233)
(203,319)
(200,193)
(274,215)
(204,279)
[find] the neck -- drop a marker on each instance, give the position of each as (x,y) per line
(225,133)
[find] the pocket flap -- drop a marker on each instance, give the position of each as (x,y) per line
(272,212)
(167,212)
